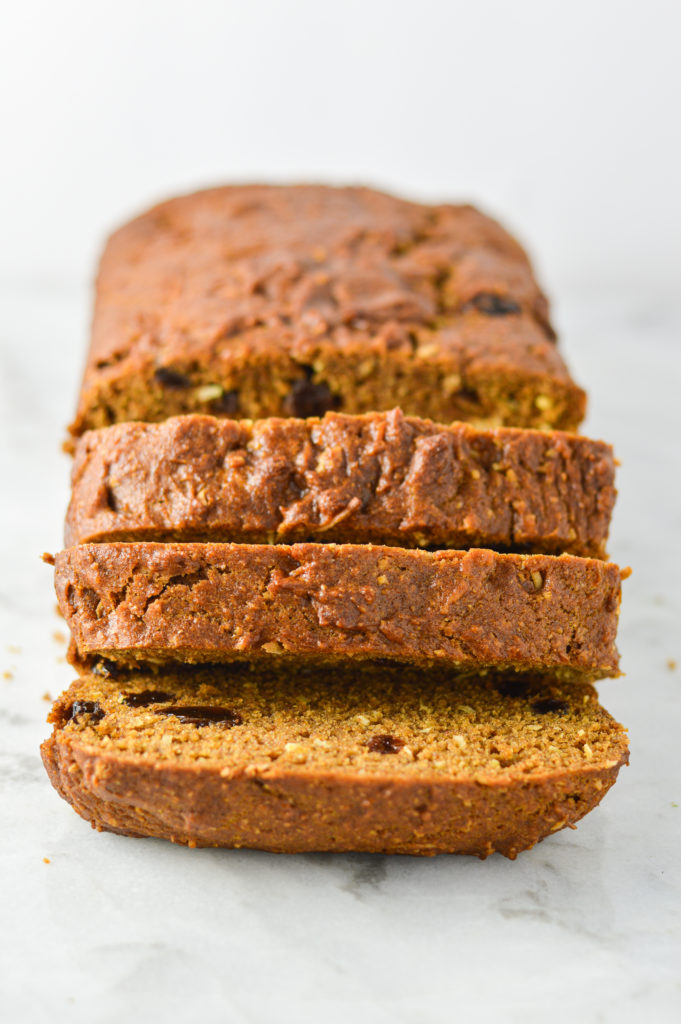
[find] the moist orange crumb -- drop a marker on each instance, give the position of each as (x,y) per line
(363,757)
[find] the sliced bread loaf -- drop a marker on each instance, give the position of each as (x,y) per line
(383,477)
(367,757)
(255,301)
(216,602)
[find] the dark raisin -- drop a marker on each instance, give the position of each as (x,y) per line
(107,669)
(384,744)
(309,399)
(469,395)
(171,378)
(548,705)
(492,305)
(227,403)
(200,714)
(512,687)
(145,698)
(92,708)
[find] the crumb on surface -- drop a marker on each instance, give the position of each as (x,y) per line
(8,675)
(13,649)
(47,696)
(46,860)
(59,637)
(671,664)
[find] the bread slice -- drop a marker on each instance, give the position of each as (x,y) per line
(372,758)
(218,602)
(255,301)
(384,478)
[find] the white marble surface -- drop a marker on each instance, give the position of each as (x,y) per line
(587,927)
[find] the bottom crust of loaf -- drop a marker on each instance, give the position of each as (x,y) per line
(296,770)
(287,815)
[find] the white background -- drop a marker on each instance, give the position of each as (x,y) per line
(563,120)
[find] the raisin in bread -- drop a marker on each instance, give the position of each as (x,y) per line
(368,757)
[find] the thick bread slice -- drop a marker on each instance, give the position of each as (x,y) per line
(218,602)
(368,758)
(384,478)
(255,301)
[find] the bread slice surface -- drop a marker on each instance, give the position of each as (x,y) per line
(382,478)
(218,602)
(372,758)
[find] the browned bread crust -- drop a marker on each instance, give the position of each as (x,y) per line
(374,759)
(217,602)
(383,478)
(255,301)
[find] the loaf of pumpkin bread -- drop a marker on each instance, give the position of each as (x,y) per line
(255,301)
(373,695)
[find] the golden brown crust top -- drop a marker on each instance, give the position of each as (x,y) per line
(214,265)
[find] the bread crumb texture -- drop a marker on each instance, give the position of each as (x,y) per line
(370,758)
(485,727)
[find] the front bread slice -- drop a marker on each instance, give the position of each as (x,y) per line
(369,758)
